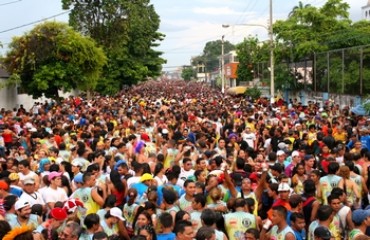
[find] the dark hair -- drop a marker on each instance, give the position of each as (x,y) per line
(197,173)
(166,220)
(179,215)
(200,185)
(91,219)
(158,167)
(333,167)
(200,198)
(24,163)
(110,201)
(240,202)
(281,210)
(295,200)
(180,226)
(296,215)
(337,191)
(274,187)
(186,183)
(9,202)
(4,228)
(254,232)
(99,236)
(141,211)
(204,233)
(86,176)
(331,197)
(115,178)
(324,212)
(208,217)
(149,228)
(309,187)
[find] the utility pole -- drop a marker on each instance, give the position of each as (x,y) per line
(272,59)
(222,66)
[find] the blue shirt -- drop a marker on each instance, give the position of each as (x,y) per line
(300,235)
(166,236)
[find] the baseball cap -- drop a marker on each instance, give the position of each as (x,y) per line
(58,214)
(359,215)
(53,175)
(13,176)
(4,185)
(145,137)
(295,153)
(28,181)
(78,178)
(322,232)
(21,203)
(280,152)
(116,212)
(76,163)
(146,177)
(283,187)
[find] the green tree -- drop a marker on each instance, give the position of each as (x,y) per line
(188,73)
(53,57)
(128,32)
(211,55)
(250,52)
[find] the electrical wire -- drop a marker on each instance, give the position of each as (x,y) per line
(8,3)
(34,22)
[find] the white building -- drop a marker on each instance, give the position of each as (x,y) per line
(10,97)
(366,11)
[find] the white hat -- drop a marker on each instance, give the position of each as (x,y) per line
(21,203)
(116,212)
(283,187)
(28,180)
(280,152)
(295,154)
(282,145)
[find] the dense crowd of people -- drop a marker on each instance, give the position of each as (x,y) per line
(179,160)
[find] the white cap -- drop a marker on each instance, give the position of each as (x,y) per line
(295,153)
(280,152)
(283,187)
(21,203)
(281,145)
(116,212)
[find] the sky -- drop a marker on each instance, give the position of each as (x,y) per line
(187,24)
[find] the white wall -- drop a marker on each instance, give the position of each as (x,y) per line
(9,98)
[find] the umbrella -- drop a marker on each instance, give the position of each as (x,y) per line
(239,90)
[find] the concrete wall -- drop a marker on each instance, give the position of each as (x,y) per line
(9,97)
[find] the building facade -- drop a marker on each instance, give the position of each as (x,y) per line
(366,11)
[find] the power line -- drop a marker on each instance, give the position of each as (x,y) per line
(32,23)
(3,4)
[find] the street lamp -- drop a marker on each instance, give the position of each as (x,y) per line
(222,66)
(272,60)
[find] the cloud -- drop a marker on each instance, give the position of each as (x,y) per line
(215,11)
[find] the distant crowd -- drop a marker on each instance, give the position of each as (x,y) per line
(180,160)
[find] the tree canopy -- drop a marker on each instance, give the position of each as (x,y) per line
(211,55)
(52,57)
(127,31)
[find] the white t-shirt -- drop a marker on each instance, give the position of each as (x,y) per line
(33,198)
(185,174)
(51,195)
(250,138)
(132,180)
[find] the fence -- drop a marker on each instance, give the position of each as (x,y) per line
(342,75)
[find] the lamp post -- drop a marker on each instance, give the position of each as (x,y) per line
(272,57)
(222,66)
